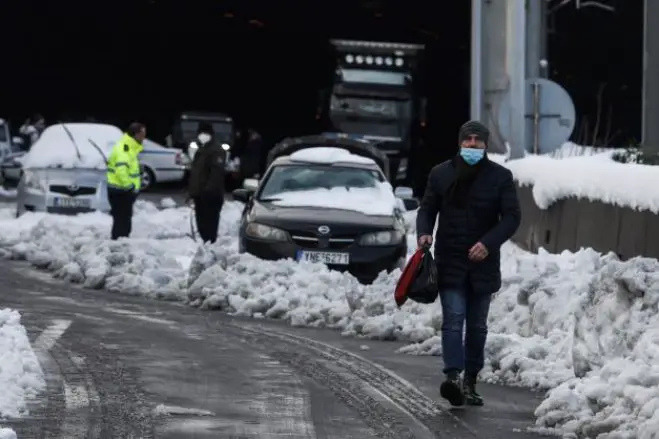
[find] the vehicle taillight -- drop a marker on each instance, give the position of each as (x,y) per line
(179,158)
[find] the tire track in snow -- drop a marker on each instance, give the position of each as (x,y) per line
(434,419)
(282,403)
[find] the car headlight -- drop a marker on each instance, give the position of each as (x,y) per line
(31,180)
(226,146)
(392,237)
(260,231)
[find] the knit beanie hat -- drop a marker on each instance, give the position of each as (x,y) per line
(474,128)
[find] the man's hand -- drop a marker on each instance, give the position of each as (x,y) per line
(425,241)
(478,252)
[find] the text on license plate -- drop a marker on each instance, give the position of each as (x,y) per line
(329,258)
(72,202)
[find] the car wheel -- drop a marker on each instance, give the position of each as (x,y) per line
(148,179)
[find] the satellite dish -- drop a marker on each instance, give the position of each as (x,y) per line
(549,114)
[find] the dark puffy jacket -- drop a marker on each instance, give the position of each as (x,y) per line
(207,172)
(492,215)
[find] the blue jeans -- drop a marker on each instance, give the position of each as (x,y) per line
(460,305)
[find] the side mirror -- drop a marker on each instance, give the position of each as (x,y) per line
(404,192)
(241,195)
(411,203)
(250,184)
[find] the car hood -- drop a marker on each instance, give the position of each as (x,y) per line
(68,177)
(309,218)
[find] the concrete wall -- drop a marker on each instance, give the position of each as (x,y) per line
(571,224)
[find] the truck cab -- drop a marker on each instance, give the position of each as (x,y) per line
(376,95)
(184,131)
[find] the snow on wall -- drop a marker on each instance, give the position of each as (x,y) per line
(583,325)
(21,377)
(588,173)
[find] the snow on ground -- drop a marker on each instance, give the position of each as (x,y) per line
(21,377)
(583,325)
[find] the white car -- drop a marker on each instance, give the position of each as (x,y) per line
(159,163)
(64,171)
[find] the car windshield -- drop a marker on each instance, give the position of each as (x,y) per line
(294,178)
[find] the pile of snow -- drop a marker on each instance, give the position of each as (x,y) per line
(71,145)
(153,262)
(592,175)
(21,377)
(583,325)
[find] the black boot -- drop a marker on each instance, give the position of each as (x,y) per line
(470,394)
(451,389)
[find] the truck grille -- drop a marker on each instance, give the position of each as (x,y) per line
(66,190)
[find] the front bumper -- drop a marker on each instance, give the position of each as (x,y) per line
(29,200)
(365,262)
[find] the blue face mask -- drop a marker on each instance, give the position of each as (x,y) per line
(472,155)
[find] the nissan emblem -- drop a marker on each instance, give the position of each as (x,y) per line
(323,230)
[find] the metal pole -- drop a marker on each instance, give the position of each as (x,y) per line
(536,118)
(476,60)
(516,69)
(650,102)
(533,38)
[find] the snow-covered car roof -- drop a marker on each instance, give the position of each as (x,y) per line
(56,149)
(329,155)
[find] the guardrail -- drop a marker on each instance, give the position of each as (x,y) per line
(572,224)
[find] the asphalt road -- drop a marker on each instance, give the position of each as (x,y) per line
(127,367)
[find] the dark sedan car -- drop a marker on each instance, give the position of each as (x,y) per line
(325,205)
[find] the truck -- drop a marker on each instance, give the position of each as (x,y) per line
(376,94)
(184,137)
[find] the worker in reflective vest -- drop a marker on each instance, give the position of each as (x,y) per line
(124,178)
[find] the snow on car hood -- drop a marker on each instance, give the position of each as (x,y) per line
(378,200)
(55,149)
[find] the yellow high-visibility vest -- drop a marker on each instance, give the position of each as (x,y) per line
(123,170)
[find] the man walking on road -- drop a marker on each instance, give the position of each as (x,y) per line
(478,209)
(206,183)
(124,178)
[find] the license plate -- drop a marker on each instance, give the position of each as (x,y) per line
(72,203)
(329,258)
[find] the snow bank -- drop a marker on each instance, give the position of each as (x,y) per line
(21,376)
(592,175)
(154,262)
(583,325)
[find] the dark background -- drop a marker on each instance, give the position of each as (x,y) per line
(263,61)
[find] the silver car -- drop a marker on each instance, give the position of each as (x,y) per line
(62,191)
(64,171)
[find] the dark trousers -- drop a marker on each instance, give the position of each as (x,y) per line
(121,209)
(207,215)
(460,305)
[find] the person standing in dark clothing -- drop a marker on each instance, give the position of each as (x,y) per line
(476,200)
(206,183)
(250,160)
